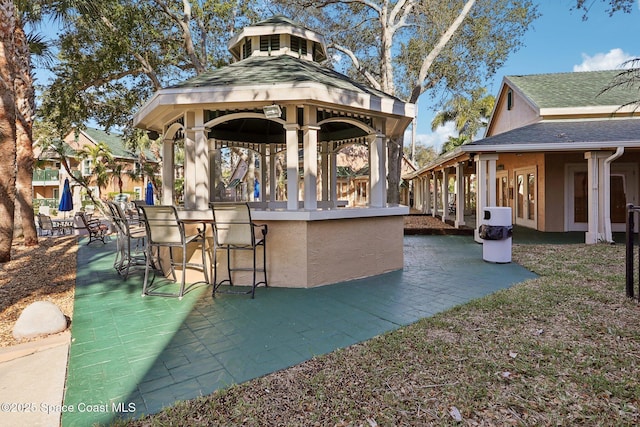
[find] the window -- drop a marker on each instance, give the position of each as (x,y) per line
(299,45)
(137,168)
(269,43)
(246,49)
(87,166)
(509,99)
(526,196)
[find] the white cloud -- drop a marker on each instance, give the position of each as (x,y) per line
(435,138)
(603,61)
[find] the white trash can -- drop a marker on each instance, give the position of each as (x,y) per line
(496,231)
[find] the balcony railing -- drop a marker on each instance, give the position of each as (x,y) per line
(46,175)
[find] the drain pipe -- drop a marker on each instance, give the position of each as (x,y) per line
(608,235)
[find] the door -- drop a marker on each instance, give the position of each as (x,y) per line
(526,197)
(623,190)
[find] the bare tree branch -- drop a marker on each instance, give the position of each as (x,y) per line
(433,54)
(183,21)
(356,63)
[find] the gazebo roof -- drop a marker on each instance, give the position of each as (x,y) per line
(270,70)
(262,80)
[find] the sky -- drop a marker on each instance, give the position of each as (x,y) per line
(559,41)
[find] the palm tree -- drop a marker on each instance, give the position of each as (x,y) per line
(454,142)
(7,128)
(101,159)
(25,106)
(468,114)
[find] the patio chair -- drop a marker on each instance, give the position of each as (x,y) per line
(130,243)
(96,229)
(46,225)
(164,229)
(234,231)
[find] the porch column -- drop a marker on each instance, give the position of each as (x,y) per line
(445,194)
(596,195)
(291,137)
(434,210)
(310,153)
(196,164)
(426,207)
(460,195)
(168,196)
(377,171)
(486,177)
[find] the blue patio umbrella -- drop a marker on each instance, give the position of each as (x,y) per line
(148,196)
(66,201)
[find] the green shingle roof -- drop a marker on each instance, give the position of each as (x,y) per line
(578,89)
(271,70)
(115,144)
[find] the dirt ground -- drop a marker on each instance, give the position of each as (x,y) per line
(48,272)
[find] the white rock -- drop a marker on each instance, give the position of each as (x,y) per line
(39,318)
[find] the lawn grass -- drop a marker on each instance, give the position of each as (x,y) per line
(562,349)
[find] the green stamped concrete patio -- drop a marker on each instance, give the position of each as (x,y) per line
(132,356)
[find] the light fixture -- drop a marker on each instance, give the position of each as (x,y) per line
(272,111)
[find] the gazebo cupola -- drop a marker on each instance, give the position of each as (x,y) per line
(278,36)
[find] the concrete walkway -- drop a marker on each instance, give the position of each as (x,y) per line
(32,377)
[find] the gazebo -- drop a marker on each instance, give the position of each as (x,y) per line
(277,100)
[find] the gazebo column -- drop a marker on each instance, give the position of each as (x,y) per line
(310,151)
(215,171)
(377,171)
(324,171)
(264,166)
(291,137)
(196,165)
(273,180)
(445,194)
(168,196)
(333,181)
(460,195)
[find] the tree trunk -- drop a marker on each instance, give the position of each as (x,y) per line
(394,155)
(25,100)
(7,130)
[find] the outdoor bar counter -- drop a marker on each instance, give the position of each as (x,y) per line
(308,248)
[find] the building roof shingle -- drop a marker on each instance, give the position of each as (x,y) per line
(575,132)
(578,89)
